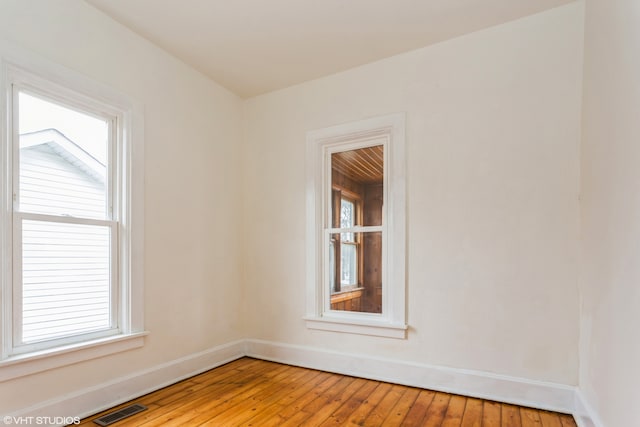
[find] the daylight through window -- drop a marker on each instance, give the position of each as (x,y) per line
(65,276)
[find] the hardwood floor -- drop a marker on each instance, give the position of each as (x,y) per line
(250,392)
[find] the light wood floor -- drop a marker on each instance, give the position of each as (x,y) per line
(249,392)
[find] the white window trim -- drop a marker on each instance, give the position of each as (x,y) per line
(14,62)
(392,322)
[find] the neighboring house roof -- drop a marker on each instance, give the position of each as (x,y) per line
(58,177)
(66,149)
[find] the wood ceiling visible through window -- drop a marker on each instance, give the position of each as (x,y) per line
(364,165)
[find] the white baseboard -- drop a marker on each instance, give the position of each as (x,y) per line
(502,388)
(584,413)
(106,395)
(519,391)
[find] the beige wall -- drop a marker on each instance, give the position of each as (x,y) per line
(192,129)
(493,128)
(610,348)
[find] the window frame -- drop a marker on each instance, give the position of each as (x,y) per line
(51,81)
(113,194)
(356,243)
(389,131)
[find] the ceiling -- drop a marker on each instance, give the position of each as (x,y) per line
(257,46)
(364,165)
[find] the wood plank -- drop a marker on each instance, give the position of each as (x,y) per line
(530,417)
(567,421)
(381,410)
(340,416)
(272,414)
(491,414)
(401,409)
(437,410)
(455,411)
(472,413)
(550,419)
(332,404)
(510,416)
(419,408)
(321,399)
(359,415)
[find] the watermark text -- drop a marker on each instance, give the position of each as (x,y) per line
(40,421)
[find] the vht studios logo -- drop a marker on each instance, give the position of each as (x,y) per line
(42,421)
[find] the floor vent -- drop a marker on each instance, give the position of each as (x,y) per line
(119,415)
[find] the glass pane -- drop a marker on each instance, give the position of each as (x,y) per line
(357,284)
(63,158)
(348,264)
(360,175)
(347,214)
(66,276)
(347,218)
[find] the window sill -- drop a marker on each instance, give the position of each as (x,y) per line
(372,327)
(31,363)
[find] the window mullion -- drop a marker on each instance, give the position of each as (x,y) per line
(357,229)
(18,216)
(16,288)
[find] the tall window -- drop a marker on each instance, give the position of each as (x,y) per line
(65,227)
(67,218)
(355,234)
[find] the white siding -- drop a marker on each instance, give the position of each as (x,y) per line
(50,184)
(66,267)
(65,283)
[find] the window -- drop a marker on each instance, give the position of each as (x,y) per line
(67,229)
(349,247)
(64,225)
(355,234)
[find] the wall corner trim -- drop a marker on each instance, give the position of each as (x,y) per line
(584,413)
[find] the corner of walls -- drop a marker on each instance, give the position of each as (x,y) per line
(584,413)
(94,399)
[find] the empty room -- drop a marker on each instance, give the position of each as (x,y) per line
(298,212)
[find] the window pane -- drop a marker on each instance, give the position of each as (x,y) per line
(348,264)
(347,214)
(347,218)
(359,273)
(63,158)
(66,275)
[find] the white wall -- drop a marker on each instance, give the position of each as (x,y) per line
(610,314)
(493,129)
(192,129)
